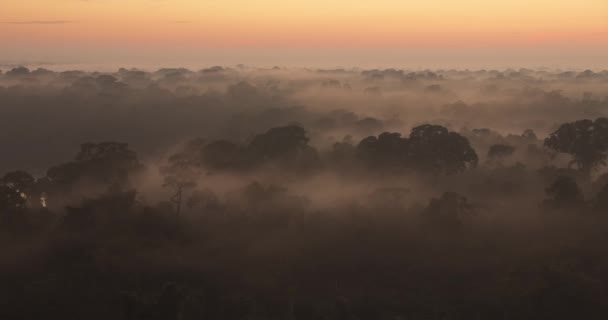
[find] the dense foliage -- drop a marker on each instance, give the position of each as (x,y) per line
(336,216)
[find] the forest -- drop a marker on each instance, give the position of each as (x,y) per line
(243,192)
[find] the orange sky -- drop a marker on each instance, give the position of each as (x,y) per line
(28,25)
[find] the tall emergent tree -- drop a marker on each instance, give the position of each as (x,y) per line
(585,140)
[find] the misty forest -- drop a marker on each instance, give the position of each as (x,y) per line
(242,192)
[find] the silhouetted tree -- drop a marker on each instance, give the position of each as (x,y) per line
(341,153)
(20,183)
(483,137)
(106,164)
(529,134)
(11,199)
(183,170)
(449,210)
(369,124)
(178,184)
(434,148)
(388,150)
(280,141)
(19,71)
(528,137)
(190,156)
(15,188)
(500,151)
(564,193)
(18,180)
(288,145)
(585,140)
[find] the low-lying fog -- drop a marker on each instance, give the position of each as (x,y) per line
(290,193)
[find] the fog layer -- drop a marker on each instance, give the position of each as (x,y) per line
(250,193)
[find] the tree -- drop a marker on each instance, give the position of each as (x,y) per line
(341,153)
(280,141)
(428,148)
(287,146)
(500,151)
(449,210)
(483,136)
(17,72)
(564,193)
(529,135)
(190,155)
(179,185)
(585,140)
(182,170)
(10,199)
(388,150)
(18,180)
(15,189)
(434,148)
(105,164)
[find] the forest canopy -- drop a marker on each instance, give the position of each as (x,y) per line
(284,193)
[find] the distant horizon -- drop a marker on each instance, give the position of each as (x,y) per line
(368,58)
(196,66)
(557,34)
(304,159)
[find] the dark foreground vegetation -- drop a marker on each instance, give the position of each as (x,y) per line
(396,220)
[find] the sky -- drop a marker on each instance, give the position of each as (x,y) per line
(431,33)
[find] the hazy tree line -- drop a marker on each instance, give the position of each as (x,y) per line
(302,212)
(156,110)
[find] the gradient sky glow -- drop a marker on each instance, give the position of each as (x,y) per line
(567,31)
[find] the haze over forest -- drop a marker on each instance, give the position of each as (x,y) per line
(303,160)
(303,193)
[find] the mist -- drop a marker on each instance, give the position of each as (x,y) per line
(567,54)
(249,192)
